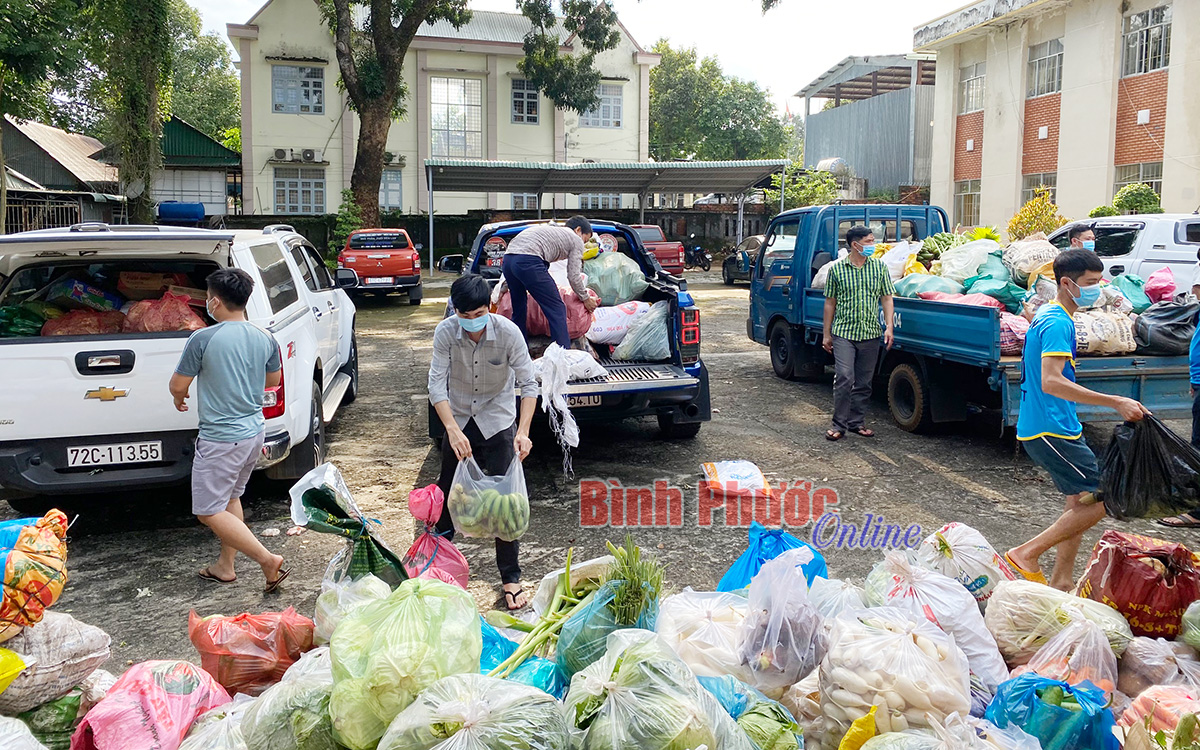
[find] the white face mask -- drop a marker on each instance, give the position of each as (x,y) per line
(208,308)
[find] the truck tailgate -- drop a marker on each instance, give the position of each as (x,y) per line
(626,377)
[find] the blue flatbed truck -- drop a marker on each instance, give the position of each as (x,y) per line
(945,362)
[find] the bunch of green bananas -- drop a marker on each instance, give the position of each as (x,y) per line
(933,247)
(489,513)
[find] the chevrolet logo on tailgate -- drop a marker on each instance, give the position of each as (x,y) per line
(106,394)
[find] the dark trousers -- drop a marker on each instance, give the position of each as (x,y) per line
(853,370)
(494,455)
(1196,417)
(530,274)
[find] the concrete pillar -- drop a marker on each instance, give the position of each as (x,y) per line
(248,169)
(420,98)
(491,117)
(349,146)
(1181,146)
(945,114)
(1003,118)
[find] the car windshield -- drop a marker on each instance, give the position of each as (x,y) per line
(650,234)
(379,241)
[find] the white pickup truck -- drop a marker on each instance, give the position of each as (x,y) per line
(90,412)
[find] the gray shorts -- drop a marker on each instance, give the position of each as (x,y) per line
(220,472)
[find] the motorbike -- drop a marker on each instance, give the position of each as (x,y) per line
(696,256)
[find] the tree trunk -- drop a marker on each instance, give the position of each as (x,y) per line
(374,123)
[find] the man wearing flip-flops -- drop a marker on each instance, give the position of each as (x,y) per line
(1048,426)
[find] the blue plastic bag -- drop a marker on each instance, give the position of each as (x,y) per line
(734,695)
(537,672)
(738,698)
(767,544)
(583,637)
(1090,728)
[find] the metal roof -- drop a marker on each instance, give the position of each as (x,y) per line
(72,150)
(185,146)
(863,77)
(14,180)
(480,175)
(487,26)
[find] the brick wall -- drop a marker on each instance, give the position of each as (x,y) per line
(1141,143)
(968,165)
(1041,154)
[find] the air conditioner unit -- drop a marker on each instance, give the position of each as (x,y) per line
(311,155)
(283,154)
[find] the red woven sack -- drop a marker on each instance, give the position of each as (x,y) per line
(579,320)
(249,653)
(170,313)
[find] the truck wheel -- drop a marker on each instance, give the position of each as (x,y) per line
(677,430)
(725,275)
(351,369)
(908,399)
(309,454)
(783,351)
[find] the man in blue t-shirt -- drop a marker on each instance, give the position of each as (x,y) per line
(235,361)
(1191,519)
(1048,426)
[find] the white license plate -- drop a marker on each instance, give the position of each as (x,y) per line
(583,400)
(379,280)
(117,453)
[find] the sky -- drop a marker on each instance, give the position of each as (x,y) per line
(783,51)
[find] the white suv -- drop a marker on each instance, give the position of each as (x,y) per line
(1143,243)
(90,411)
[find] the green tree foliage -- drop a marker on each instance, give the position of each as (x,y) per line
(696,111)
(1040,214)
(349,218)
(1138,198)
(803,188)
(36,45)
(204,84)
(569,81)
(793,125)
(1100,211)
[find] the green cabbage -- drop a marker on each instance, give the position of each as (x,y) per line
(481,713)
(386,653)
(770,727)
(290,715)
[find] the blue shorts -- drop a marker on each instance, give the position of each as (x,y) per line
(1071,463)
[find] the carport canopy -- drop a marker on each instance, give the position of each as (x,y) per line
(637,177)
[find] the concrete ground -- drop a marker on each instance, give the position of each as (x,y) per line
(133,557)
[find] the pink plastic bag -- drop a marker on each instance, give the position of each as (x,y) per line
(151,707)
(1012,333)
(579,320)
(1161,285)
(431,556)
(979,300)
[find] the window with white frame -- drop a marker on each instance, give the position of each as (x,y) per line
(971,80)
(524,201)
(966,202)
(299,190)
(599,200)
(456,116)
(524,102)
(391,189)
(1031,182)
(1148,172)
(607,113)
(1147,41)
(298,90)
(1045,68)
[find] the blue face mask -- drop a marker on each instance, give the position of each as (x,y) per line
(868,250)
(474,325)
(1089,245)
(1087,295)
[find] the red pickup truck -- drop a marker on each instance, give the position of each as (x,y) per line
(386,260)
(668,254)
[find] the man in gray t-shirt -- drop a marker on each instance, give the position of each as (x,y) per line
(235,362)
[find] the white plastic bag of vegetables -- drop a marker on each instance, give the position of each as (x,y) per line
(832,597)
(640,696)
(486,506)
(474,712)
(904,666)
(220,728)
(782,638)
(384,654)
(339,598)
(897,582)
(962,262)
(704,629)
(290,715)
(961,552)
(1023,615)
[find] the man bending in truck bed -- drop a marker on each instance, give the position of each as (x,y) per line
(235,361)
(527,269)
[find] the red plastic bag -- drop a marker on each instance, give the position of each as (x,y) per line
(431,555)
(171,313)
(977,299)
(84,323)
(1149,581)
(579,320)
(249,653)
(1161,285)
(151,707)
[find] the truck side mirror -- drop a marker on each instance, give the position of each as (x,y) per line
(418,246)
(450,264)
(346,278)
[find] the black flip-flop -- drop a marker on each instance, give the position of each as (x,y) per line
(1190,524)
(864,432)
(279,578)
(834,435)
(511,596)
(208,575)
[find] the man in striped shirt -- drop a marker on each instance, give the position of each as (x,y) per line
(856,287)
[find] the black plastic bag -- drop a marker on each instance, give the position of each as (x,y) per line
(1149,472)
(1166,328)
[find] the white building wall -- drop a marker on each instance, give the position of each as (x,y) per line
(1003,125)
(1181,148)
(192,186)
(945,112)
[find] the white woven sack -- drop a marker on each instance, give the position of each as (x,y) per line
(59,652)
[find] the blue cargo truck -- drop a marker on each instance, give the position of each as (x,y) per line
(945,363)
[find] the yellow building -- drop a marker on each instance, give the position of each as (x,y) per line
(466,99)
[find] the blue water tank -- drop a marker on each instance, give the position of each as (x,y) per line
(180,214)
